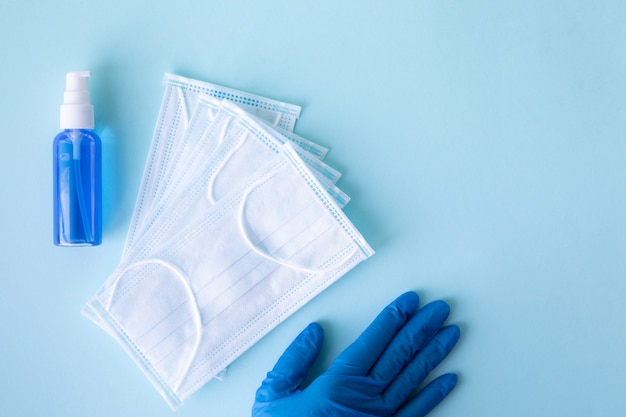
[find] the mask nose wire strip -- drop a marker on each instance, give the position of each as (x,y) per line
(268,256)
(192,300)
(211,182)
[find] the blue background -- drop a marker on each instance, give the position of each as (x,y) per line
(482,142)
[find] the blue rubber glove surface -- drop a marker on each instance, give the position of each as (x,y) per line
(375,376)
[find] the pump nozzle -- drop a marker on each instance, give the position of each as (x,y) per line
(76,110)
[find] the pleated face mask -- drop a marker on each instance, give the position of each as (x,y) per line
(200,140)
(170,145)
(235,146)
(217,286)
(180,100)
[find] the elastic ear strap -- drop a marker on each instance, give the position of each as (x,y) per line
(222,164)
(192,299)
(261,252)
(185,110)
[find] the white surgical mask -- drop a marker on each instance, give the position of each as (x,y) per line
(236,146)
(180,99)
(216,287)
(216,158)
(204,135)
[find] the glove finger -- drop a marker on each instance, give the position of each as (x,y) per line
(293,366)
(413,336)
(419,368)
(429,397)
(360,356)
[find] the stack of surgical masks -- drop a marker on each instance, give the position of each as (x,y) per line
(238,223)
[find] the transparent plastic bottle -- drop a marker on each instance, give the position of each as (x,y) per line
(77,153)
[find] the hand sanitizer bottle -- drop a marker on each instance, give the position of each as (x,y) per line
(77,169)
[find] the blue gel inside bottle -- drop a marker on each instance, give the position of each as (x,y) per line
(77,188)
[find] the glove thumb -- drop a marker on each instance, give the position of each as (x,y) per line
(293,366)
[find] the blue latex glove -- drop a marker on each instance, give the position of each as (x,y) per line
(375,376)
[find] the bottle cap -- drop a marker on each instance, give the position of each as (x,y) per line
(76,110)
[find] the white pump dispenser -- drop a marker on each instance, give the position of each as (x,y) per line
(77,110)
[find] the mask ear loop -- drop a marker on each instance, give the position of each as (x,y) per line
(184,107)
(222,164)
(211,114)
(192,299)
(268,256)
(276,121)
